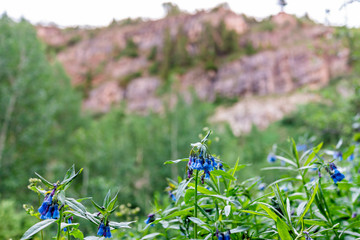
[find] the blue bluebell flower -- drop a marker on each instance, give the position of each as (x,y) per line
(227,235)
(214,163)
(301,147)
(69,221)
(351,157)
(107,233)
(338,155)
(56,214)
(336,175)
(171,195)
(49,213)
(43,209)
(221,167)
(101,229)
(262,186)
(199,165)
(271,158)
(354,215)
(150,219)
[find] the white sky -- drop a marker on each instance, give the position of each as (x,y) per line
(101,13)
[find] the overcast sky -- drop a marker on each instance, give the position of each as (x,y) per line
(101,13)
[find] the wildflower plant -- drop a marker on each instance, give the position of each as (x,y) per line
(57,208)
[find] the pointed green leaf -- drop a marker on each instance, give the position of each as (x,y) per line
(37,228)
(45,182)
(269,211)
(176,161)
(308,205)
(283,230)
(106,199)
(223,174)
(151,235)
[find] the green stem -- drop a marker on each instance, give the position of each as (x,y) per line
(328,211)
(59,225)
(195,207)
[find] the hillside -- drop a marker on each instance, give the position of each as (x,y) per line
(222,56)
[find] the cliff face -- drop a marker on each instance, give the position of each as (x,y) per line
(286,54)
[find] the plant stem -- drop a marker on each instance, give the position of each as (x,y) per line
(328,211)
(59,225)
(195,209)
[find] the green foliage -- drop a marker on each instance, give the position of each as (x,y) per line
(40,108)
(16,220)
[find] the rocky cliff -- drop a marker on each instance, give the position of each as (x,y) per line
(275,56)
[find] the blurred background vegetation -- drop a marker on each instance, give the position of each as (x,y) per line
(42,127)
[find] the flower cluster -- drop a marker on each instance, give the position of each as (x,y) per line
(49,209)
(205,163)
(104,230)
(222,236)
(335,174)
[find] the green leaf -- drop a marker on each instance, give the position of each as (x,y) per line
(111,204)
(151,235)
(106,199)
(269,211)
(283,230)
(61,197)
(177,161)
(64,225)
(223,174)
(100,209)
(295,152)
(188,195)
(77,234)
(45,182)
(314,151)
(315,222)
(37,228)
(348,152)
(204,212)
(65,183)
(227,210)
(308,205)
(256,213)
(118,225)
(286,160)
(181,189)
(199,222)
(279,168)
(70,172)
(203,190)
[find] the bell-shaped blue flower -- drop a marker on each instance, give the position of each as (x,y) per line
(198,165)
(337,176)
(214,164)
(43,208)
(101,229)
(338,155)
(227,236)
(221,167)
(69,221)
(262,186)
(150,219)
(221,236)
(56,214)
(351,158)
(107,233)
(171,195)
(49,213)
(271,158)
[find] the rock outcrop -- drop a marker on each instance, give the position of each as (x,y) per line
(287,54)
